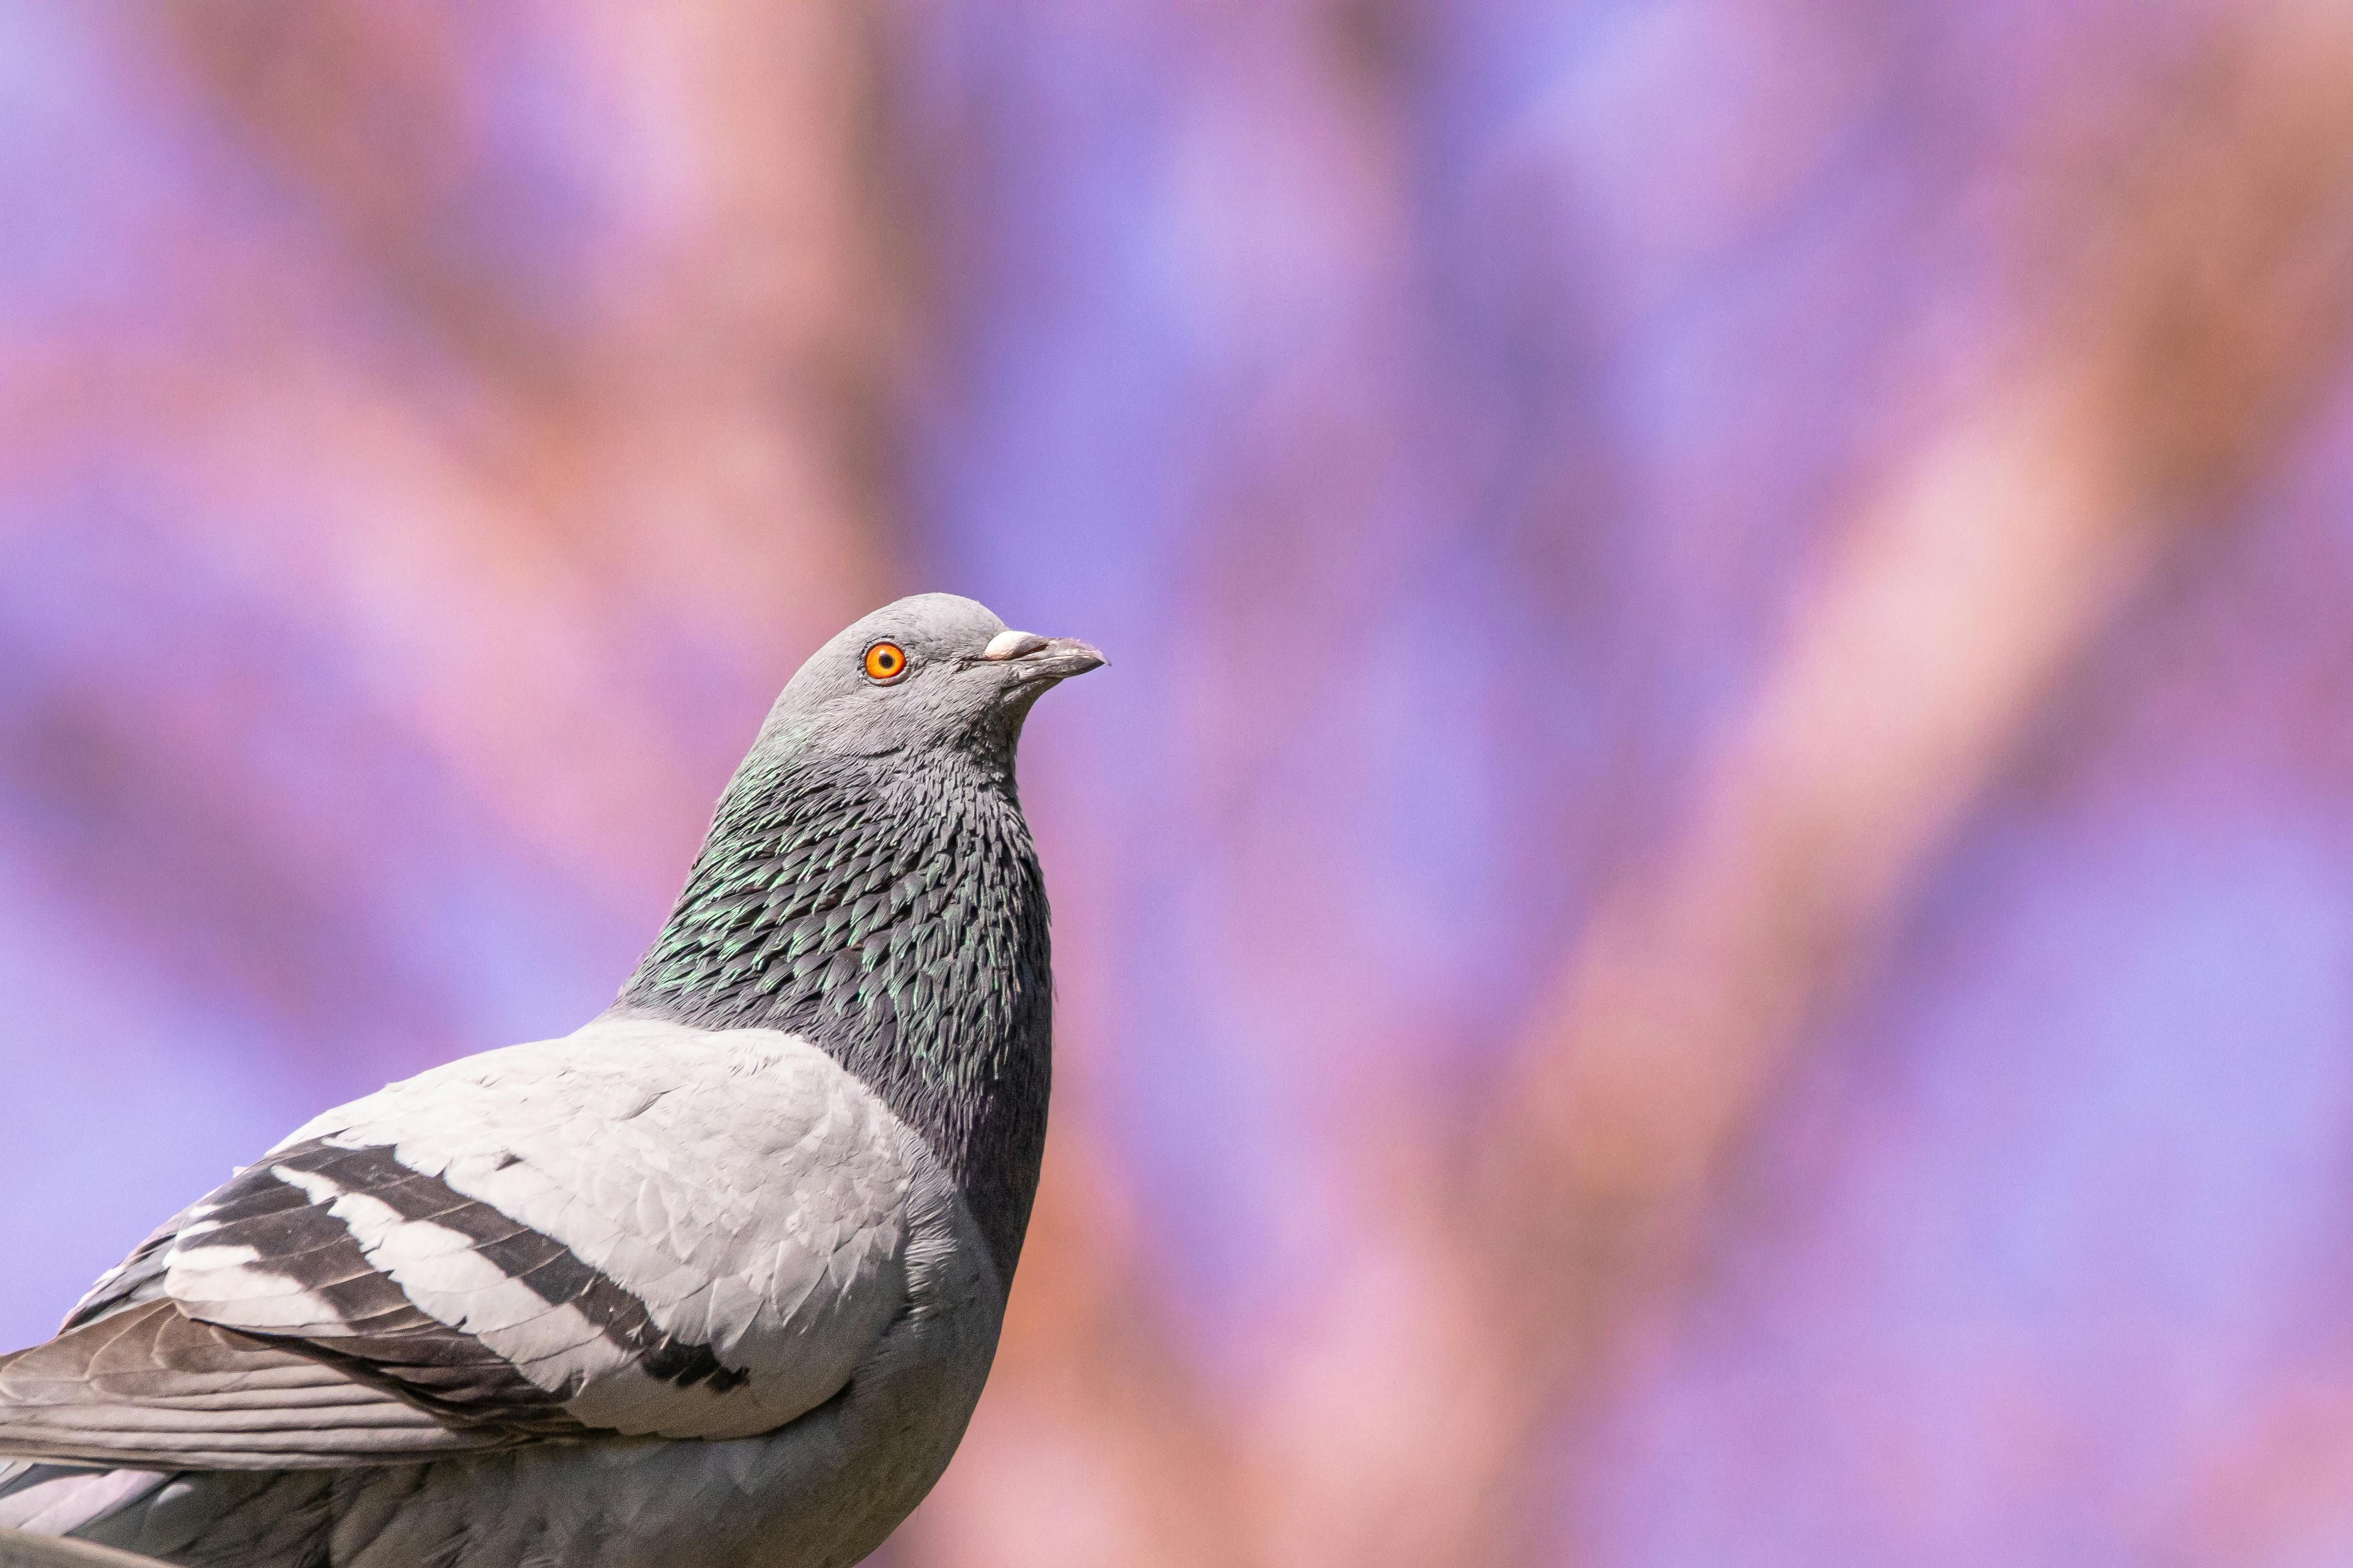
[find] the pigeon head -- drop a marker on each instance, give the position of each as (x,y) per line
(870,884)
(931,672)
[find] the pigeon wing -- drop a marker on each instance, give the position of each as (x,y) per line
(640,1229)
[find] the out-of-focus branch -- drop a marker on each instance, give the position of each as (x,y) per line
(750,359)
(2174,355)
(692,418)
(1096,1443)
(2271,1477)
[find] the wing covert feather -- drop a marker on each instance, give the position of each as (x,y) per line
(639,1228)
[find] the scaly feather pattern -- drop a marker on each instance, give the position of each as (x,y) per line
(897,917)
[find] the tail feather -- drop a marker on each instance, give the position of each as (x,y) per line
(147,1385)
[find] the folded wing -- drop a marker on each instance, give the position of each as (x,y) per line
(638,1229)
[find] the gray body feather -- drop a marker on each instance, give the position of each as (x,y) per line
(716,1278)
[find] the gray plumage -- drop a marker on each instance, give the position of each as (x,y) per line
(714,1279)
(21,1550)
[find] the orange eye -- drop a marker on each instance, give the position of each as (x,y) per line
(885,661)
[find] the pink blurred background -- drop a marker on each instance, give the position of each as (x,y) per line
(1709,916)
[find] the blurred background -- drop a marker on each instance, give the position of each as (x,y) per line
(1708,917)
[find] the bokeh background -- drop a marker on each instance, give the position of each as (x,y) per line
(1708,917)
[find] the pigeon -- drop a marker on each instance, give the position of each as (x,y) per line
(714,1279)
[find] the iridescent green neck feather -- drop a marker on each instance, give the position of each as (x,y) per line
(891,910)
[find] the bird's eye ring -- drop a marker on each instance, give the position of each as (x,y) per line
(885,662)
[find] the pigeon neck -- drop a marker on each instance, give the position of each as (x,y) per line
(890,910)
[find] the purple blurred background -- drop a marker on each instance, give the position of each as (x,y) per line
(1709,916)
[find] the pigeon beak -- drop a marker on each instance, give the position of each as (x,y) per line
(1043,660)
